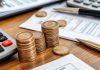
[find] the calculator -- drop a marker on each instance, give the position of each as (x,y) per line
(86,4)
(7,45)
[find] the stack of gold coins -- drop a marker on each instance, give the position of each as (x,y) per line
(39,41)
(51,33)
(26,46)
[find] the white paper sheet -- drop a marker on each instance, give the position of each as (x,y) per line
(11,5)
(82,27)
(68,62)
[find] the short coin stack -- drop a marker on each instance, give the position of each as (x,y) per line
(26,46)
(61,50)
(41,14)
(51,33)
(39,41)
(62,23)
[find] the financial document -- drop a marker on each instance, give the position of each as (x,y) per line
(81,27)
(68,62)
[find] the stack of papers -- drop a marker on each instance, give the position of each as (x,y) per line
(78,27)
(14,6)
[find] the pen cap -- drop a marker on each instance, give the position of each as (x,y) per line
(89,12)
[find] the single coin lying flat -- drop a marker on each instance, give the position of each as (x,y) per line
(41,14)
(61,50)
(62,23)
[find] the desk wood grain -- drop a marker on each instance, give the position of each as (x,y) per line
(10,25)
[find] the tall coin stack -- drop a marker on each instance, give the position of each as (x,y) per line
(26,46)
(39,41)
(51,33)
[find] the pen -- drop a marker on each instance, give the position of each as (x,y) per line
(79,11)
(90,44)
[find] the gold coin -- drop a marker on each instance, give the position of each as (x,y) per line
(39,41)
(38,35)
(51,31)
(41,14)
(24,37)
(61,50)
(26,45)
(50,25)
(62,23)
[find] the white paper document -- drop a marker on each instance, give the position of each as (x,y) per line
(11,5)
(82,27)
(68,62)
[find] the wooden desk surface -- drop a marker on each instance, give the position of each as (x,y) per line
(88,55)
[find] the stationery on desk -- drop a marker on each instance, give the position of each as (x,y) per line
(79,11)
(78,27)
